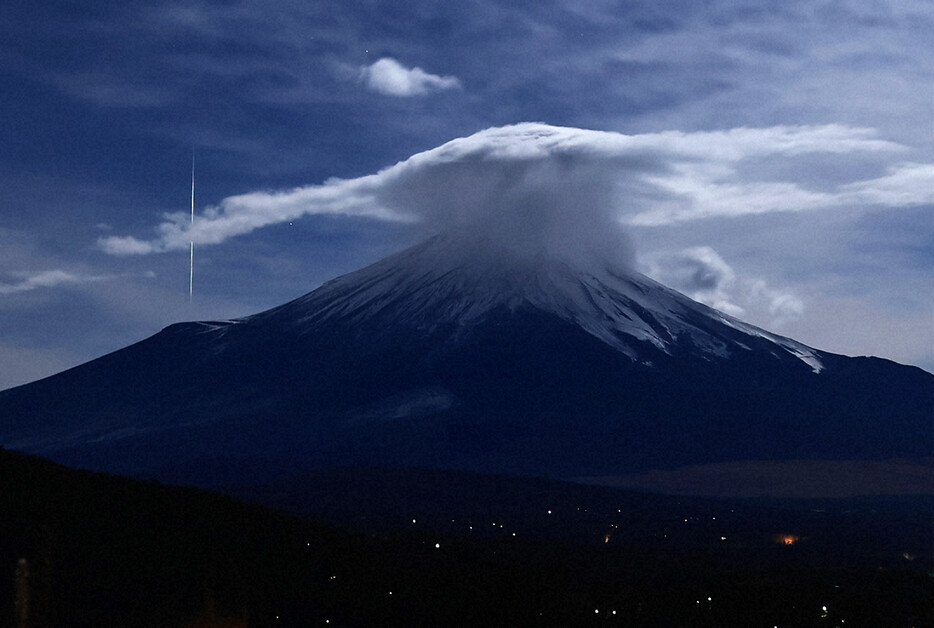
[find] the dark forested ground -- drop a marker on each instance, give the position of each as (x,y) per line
(414,548)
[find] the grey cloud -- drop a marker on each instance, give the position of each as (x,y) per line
(702,274)
(698,268)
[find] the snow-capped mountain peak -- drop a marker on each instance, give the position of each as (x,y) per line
(455,282)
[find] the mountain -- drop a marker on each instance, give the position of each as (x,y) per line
(461,354)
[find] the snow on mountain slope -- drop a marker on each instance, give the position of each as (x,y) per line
(447,280)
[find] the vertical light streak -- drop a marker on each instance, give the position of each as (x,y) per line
(191,243)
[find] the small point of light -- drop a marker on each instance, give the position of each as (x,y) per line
(596,611)
(437,545)
(549,512)
(413,520)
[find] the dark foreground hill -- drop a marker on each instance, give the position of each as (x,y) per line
(107,551)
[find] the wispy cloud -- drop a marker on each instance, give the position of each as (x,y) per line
(782,305)
(244,213)
(702,274)
(389,77)
(568,184)
(112,91)
(907,184)
(26,281)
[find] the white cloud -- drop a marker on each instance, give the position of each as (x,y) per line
(127,245)
(782,305)
(244,213)
(700,273)
(44,279)
(533,184)
(388,76)
(904,185)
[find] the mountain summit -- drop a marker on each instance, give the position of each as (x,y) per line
(460,353)
(456,283)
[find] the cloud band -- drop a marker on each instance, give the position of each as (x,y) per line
(533,178)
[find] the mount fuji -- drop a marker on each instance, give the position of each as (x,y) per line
(461,353)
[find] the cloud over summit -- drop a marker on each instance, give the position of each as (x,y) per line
(535,186)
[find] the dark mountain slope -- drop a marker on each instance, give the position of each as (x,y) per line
(443,357)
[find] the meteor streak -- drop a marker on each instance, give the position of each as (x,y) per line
(191,243)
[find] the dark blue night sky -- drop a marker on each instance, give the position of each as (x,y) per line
(774,160)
